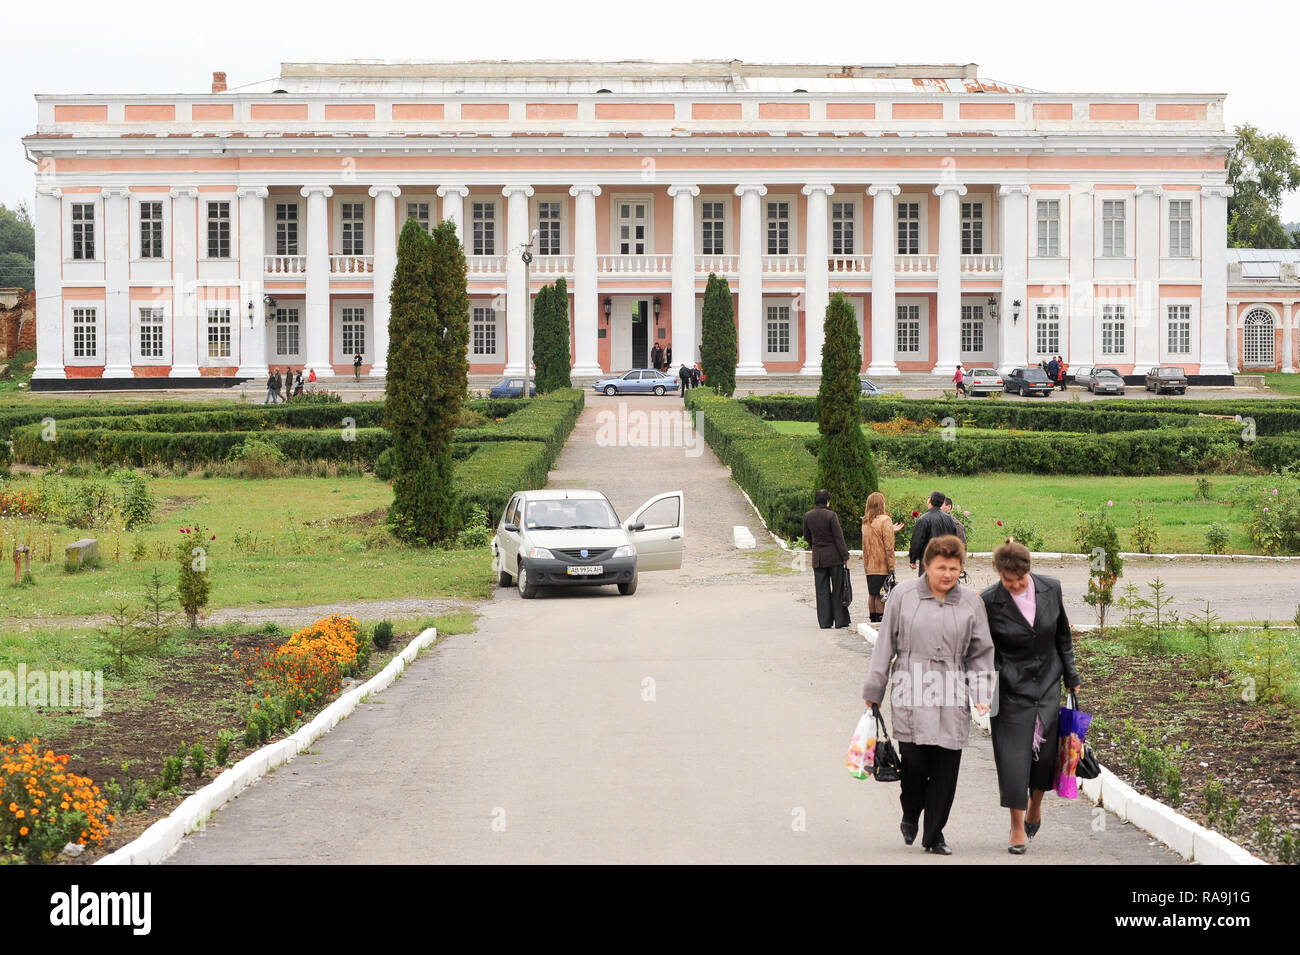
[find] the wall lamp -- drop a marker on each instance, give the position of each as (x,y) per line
(609,307)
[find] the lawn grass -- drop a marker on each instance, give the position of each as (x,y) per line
(282,542)
(1285,384)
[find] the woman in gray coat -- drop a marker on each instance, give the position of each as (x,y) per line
(936,637)
(1035,654)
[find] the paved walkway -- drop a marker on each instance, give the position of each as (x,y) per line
(704,719)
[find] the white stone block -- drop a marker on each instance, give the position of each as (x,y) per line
(868,632)
(744,539)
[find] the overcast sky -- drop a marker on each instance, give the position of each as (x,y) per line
(145,46)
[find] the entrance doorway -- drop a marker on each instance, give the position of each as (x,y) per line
(629,334)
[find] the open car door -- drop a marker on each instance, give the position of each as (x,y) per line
(660,543)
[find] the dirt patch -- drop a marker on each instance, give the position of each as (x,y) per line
(376,518)
(168,505)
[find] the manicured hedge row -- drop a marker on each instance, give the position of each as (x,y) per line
(497,469)
(143,448)
(314,416)
(547,419)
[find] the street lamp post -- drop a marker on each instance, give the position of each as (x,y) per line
(527,256)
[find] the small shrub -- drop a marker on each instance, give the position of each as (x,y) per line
(1203,488)
(384,465)
(198,759)
(475,533)
(1214,801)
(122,637)
(1264,666)
(173,769)
(383,634)
(1217,536)
(1144,533)
(1027,534)
(135,503)
(260,459)
(192,585)
(221,753)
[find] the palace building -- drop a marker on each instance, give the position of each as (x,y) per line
(189,237)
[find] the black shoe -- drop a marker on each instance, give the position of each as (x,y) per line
(939,849)
(1031,828)
(908,829)
(1016,850)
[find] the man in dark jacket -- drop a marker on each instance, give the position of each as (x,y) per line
(657,357)
(933,523)
(684,375)
(830,556)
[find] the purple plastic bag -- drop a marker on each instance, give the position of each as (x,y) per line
(1073,729)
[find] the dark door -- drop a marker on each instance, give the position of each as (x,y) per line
(640,336)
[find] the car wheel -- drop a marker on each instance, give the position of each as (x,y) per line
(527,589)
(503,579)
(629,588)
(659,390)
(611,390)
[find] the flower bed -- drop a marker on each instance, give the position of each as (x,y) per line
(43,806)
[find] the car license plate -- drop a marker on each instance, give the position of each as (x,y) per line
(593,570)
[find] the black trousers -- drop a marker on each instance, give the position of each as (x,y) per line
(828,582)
(929,783)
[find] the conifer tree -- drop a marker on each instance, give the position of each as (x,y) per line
(718,337)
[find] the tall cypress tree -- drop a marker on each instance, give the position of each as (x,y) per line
(451,373)
(718,337)
(543,332)
(845,466)
(551,337)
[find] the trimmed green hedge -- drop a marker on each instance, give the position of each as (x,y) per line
(497,469)
(547,419)
(143,448)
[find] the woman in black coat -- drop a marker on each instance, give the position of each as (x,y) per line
(1033,654)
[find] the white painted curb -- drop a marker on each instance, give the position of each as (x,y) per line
(161,839)
(1188,838)
(742,538)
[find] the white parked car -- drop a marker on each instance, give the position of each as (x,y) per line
(560,537)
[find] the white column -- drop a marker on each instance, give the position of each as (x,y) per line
(517,294)
(49,284)
(1230,322)
(883,313)
(252,272)
(1288,333)
(948,302)
(1078,350)
(185,335)
(683,339)
(385,265)
(117,282)
(1214,287)
(586,297)
(750,319)
(1012,332)
(317,319)
(1146,249)
(453,207)
(816,289)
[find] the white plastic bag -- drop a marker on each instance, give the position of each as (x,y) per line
(862,748)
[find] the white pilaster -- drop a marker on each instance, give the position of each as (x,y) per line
(317,319)
(816,277)
(1288,333)
(517,293)
(49,298)
(586,304)
(751,279)
(1214,290)
(117,282)
(385,265)
(884,315)
(252,271)
(453,207)
(1013,340)
(948,302)
(1146,326)
(1078,348)
(185,335)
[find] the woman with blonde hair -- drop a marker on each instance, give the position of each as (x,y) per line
(878,530)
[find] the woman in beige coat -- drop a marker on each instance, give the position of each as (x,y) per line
(878,530)
(935,635)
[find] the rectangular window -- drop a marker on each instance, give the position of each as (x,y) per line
(151,230)
(1180,330)
(218,230)
(778,329)
(218,333)
(485,228)
(711,223)
(972,328)
(1180,227)
(1049,227)
(842,221)
(909,228)
(633,218)
(548,228)
(484,331)
(778,228)
(83,230)
(419,211)
(972,228)
(354,228)
(1112,227)
(84,343)
(1112,329)
(286,332)
(1047,330)
(286,228)
(909,329)
(151,333)
(354,331)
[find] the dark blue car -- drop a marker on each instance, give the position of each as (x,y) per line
(512,388)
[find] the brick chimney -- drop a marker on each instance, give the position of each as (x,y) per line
(218,82)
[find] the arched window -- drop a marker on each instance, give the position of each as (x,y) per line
(1258,339)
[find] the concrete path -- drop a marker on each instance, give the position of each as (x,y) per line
(704,719)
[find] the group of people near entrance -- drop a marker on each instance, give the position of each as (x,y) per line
(283,387)
(1055,370)
(932,630)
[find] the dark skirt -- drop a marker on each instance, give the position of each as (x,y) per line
(874,583)
(1013,751)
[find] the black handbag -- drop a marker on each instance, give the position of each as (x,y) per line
(890,583)
(846,587)
(887,768)
(1087,767)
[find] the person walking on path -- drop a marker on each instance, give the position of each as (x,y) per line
(959,379)
(878,530)
(830,556)
(297,383)
(286,382)
(1034,655)
(356,366)
(933,523)
(935,634)
(272,388)
(684,376)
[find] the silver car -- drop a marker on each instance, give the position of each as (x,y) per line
(983,381)
(562,537)
(1106,381)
